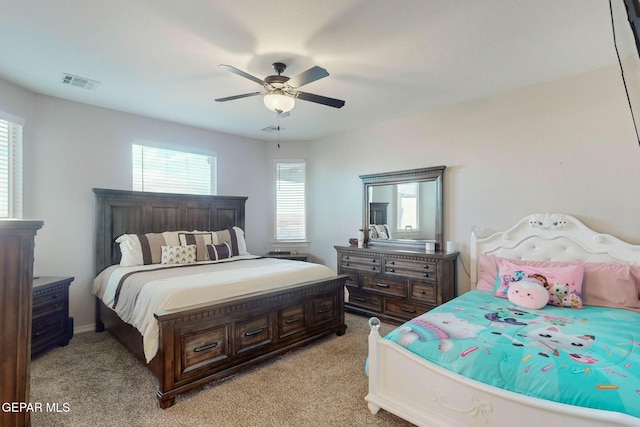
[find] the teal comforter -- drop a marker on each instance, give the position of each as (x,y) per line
(586,357)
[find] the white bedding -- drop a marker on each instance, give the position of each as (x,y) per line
(239,276)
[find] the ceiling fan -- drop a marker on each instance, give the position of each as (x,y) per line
(280,92)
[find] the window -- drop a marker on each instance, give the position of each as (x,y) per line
(10,169)
(168,171)
(290,201)
(408,207)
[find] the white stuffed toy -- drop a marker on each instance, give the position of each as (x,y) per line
(528,293)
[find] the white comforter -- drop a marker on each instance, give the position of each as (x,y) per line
(246,275)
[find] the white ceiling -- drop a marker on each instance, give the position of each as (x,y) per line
(386,59)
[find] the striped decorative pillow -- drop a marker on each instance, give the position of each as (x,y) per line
(221,251)
(198,238)
(183,254)
(234,236)
(141,249)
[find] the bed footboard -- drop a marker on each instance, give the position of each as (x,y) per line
(208,342)
(427,395)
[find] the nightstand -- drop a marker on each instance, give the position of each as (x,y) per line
(51,325)
(285,255)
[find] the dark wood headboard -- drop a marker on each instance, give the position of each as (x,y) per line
(133,212)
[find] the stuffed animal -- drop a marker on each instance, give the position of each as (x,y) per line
(558,292)
(528,293)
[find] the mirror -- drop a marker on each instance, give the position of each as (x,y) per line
(404,207)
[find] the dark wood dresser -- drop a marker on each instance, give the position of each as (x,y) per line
(16,281)
(51,324)
(396,285)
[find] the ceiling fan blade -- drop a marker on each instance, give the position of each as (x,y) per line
(306,77)
(331,102)
(230,98)
(241,73)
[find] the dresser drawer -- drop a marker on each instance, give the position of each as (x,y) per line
(404,309)
(364,299)
(361,262)
(384,285)
(324,310)
(204,347)
(424,292)
(292,320)
(48,328)
(253,333)
(424,269)
(49,302)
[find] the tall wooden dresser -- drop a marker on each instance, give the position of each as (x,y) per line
(16,281)
(396,285)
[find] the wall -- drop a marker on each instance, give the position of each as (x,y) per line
(565,146)
(70,148)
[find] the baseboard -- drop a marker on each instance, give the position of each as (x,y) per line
(84,328)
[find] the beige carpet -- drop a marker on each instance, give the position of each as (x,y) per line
(322,384)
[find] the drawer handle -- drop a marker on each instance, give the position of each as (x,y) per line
(346,264)
(391,270)
(426,267)
(406,310)
(382,285)
(205,347)
(55,296)
(373,260)
(254,332)
(373,268)
(426,274)
(392,263)
(324,310)
(346,257)
(422,292)
(360,299)
(293,320)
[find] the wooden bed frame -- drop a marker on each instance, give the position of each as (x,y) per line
(203,343)
(427,395)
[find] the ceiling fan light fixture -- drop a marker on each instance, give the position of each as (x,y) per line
(278,102)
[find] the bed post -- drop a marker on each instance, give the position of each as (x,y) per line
(99,324)
(374,362)
(473,260)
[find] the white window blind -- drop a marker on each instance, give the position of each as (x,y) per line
(408,206)
(290,201)
(10,169)
(169,171)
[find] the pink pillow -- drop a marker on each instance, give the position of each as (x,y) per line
(488,272)
(604,284)
(564,284)
(612,285)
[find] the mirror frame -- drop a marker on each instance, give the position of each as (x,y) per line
(435,174)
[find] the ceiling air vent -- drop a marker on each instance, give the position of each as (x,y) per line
(81,82)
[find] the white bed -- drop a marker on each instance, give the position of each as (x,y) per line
(427,395)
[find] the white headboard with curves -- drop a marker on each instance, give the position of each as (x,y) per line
(552,237)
